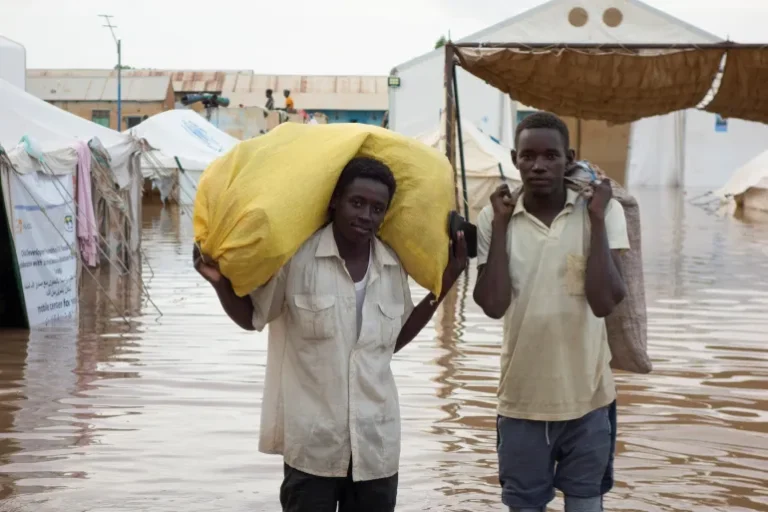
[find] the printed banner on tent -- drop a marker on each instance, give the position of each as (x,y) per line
(44,242)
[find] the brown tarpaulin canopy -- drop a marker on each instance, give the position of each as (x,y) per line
(615,86)
(743,92)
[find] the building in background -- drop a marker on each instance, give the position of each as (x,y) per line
(342,99)
(92,95)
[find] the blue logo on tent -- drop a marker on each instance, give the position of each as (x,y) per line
(201,134)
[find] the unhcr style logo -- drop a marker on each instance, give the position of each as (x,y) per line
(69,223)
(201,134)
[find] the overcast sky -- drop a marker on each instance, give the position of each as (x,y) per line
(291,37)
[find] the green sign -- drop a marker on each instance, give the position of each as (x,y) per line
(394,81)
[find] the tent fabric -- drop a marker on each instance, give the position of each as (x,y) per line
(749,184)
(24,114)
(755,198)
(482,157)
(656,151)
(742,93)
(182,134)
(692,149)
(615,87)
(56,131)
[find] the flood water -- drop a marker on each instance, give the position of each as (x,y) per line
(161,414)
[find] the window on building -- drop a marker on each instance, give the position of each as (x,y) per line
(100,117)
(131,121)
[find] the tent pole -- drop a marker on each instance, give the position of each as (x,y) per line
(578,139)
(119,86)
(461,145)
(450,152)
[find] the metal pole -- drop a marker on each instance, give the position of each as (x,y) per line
(450,152)
(111,27)
(119,86)
(461,144)
(449,112)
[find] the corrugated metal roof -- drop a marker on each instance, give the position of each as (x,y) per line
(309,92)
(183,80)
(153,88)
(320,92)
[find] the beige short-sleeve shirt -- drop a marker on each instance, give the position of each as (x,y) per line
(555,355)
(329,394)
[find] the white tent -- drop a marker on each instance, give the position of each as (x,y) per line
(486,162)
(13,63)
(692,149)
(184,135)
(687,149)
(748,186)
(22,114)
(39,198)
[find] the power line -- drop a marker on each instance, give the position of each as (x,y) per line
(109,25)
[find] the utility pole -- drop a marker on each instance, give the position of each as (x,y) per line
(107,19)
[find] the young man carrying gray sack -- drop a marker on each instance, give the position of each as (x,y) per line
(556,398)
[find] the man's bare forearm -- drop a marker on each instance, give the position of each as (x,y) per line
(493,291)
(239,309)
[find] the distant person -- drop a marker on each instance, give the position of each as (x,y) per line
(338,311)
(556,421)
(270,101)
(288,101)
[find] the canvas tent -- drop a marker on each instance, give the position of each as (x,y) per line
(179,137)
(748,186)
(486,162)
(689,148)
(38,196)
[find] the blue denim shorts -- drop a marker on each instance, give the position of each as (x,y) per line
(537,457)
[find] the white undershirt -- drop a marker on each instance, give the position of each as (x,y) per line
(360,295)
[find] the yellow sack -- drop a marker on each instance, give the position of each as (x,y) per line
(256,205)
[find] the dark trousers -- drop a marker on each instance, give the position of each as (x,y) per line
(537,457)
(302,492)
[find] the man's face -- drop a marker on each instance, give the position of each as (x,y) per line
(541,158)
(360,210)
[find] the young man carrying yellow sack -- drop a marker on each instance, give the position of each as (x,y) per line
(338,312)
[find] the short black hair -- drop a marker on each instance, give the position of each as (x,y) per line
(269,91)
(369,169)
(545,120)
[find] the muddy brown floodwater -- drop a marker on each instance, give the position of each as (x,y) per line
(161,414)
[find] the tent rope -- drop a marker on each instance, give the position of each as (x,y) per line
(139,282)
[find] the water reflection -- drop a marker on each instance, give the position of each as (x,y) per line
(160,414)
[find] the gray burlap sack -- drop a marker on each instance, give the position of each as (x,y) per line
(628,324)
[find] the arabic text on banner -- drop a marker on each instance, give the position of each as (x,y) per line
(47,265)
